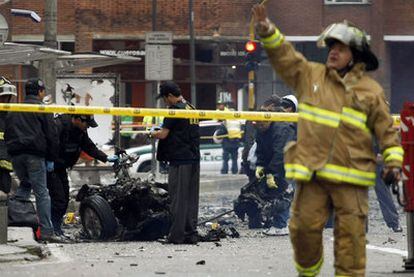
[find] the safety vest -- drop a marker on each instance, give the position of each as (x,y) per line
(233,129)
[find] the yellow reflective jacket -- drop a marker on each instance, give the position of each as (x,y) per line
(338,118)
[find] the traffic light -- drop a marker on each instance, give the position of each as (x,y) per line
(253,53)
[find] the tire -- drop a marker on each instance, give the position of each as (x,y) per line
(98,220)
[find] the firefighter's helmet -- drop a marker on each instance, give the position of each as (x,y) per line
(6,87)
(352,36)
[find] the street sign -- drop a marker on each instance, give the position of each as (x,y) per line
(158,37)
(158,62)
(4,30)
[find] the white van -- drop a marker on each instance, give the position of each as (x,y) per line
(211,154)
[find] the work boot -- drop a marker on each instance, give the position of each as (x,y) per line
(53,239)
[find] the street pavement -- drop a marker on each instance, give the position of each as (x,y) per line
(253,254)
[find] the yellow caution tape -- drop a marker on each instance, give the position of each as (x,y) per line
(199,114)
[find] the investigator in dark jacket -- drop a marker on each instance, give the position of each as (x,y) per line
(271,138)
(31,140)
(179,145)
(73,138)
(7,91)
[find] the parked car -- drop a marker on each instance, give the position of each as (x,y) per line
(211,154)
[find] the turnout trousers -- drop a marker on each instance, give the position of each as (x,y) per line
(311,206)
(183,187)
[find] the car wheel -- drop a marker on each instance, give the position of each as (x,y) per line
(97,218)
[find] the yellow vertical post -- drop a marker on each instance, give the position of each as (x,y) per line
(251,74)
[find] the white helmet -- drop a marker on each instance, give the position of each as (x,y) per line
(292,99)
(6,87)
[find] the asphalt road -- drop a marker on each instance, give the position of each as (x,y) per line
(251,255)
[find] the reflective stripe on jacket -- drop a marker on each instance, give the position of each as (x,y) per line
(338,118)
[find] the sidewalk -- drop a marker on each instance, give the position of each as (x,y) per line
(21,246)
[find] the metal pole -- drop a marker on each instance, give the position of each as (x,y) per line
(409,261)
(117,134)
(47,70)
(192,54)
(3,218)
(154,93)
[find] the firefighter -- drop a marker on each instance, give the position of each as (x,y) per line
(7,91)
(341,109)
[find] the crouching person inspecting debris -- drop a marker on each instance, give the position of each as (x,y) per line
(267,199)
(179,145)
(73,138)
(333,161)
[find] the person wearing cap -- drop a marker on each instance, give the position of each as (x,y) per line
(179,145)
(7,92)
(341,109)
(31,140)
(271,139)
(73,138)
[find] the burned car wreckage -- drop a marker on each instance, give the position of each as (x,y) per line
(136,209)
(129,209)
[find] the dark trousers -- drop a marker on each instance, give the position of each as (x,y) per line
(184,186)
(5,180)
(58,185)
(233,154)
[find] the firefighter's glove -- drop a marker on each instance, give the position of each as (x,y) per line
(391,175)
(260,173)
(50,166)
(113,158)
(270,181)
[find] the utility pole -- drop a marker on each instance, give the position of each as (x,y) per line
(154,167)
(192,54)
(47,69)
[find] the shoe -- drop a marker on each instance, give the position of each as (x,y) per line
(191,240)
(53,239)
(273,231)
(397,229)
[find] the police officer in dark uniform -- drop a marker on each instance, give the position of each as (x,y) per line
(179,145)
(73,138)
(31,141)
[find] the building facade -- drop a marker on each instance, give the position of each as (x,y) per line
(221,30)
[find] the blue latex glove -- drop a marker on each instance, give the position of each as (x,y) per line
(50,166)
(113,158)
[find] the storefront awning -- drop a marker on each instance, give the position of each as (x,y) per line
(78,61)
(18,53)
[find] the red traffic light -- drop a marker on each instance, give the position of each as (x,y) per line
(250,46)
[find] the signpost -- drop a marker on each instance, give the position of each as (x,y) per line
(158,67)
(158,56)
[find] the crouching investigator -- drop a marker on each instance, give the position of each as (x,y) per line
(73,138)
